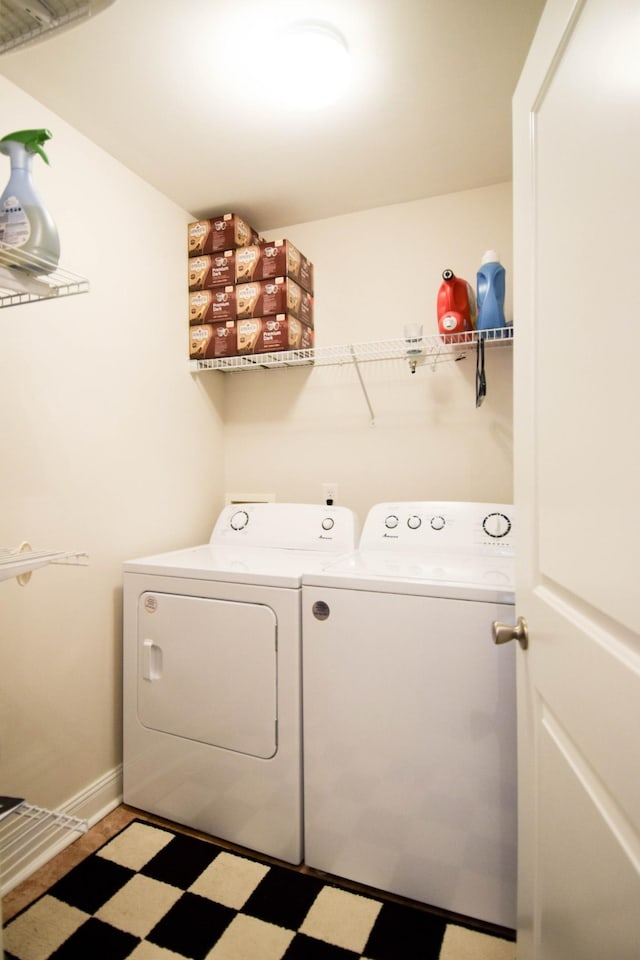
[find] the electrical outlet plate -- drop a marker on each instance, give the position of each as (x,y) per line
(329,492)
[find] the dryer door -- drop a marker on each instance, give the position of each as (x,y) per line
(207,671)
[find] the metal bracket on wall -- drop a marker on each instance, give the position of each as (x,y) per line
(364,389)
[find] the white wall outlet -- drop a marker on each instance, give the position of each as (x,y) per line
(329,492)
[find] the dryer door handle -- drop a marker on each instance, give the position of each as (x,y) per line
(151,660)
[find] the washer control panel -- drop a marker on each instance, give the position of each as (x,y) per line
(448,526)
(295,526)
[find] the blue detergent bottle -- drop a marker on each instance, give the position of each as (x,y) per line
(490,291)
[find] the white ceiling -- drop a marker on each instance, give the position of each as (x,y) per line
(176,90)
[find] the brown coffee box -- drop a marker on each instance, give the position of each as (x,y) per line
(213,270)
(213,341)
(270,259)
(224,232)
(212,306)
(263,298)
(272,334)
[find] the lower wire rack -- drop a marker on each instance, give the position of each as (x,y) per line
(29,837)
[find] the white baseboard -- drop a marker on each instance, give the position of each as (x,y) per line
(97,799)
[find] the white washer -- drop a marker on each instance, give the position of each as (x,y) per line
(212,645)
(409,709)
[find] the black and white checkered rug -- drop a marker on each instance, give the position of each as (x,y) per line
(151,894)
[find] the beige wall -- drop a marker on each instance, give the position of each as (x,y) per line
(288,431)
(107,444)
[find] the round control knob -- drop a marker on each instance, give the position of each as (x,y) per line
(414,522)
(496,525)
(328,523)
(437,523)
(239,520)
(391,522)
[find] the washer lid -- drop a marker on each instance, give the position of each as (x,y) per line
(488,579)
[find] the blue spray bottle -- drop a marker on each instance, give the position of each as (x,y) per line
(491,290)
(28,235)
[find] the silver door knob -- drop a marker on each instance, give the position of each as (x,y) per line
(504,632)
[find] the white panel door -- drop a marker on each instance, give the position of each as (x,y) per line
(577,481)
(207,671)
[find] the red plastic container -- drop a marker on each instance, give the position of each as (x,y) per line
(457,312)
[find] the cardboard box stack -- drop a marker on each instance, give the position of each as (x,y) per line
(246,295)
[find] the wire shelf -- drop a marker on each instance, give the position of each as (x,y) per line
(23,23)
(22,561)
(27,279)
(29,837)
(433,350)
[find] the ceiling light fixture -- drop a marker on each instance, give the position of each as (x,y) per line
(315,64)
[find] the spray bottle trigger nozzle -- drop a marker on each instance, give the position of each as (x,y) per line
(32,140)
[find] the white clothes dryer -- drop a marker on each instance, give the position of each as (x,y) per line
(409,709)
(212,672)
